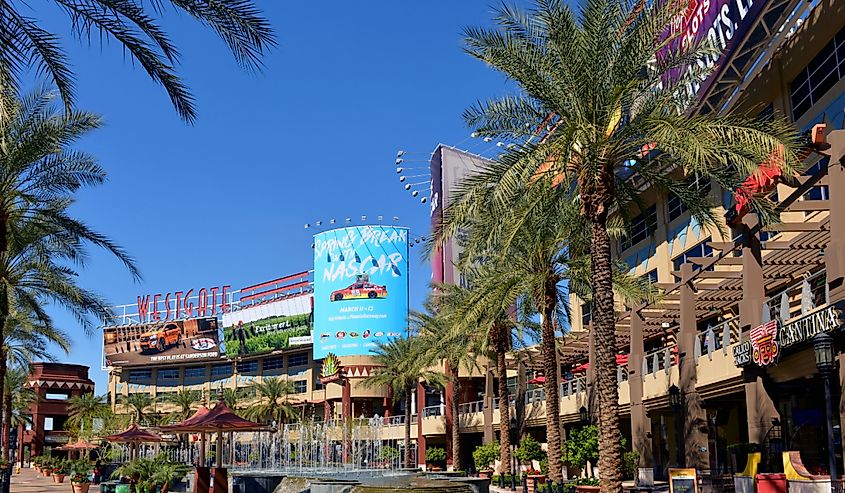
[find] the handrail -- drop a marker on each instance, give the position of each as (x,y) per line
(471,407)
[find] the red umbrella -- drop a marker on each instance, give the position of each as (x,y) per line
(621,359)
(134,434)
(537,380)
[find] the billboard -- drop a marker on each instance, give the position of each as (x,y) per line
(268,326)
(173,341)
(360,288)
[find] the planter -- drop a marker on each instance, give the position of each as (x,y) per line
(80,487)
(485,474)
(47,471)
(531,479)
(58,478)
(587,489)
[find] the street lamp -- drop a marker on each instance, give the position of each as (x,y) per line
(584,415)
(823,347)
(676,401)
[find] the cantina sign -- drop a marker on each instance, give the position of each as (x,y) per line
(767,341)
(184,304)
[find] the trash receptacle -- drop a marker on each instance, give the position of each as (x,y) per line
(771,483)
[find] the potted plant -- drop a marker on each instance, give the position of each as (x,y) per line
(80,480)
(484,456)
(60,470)
(434,458)
(587,485)
(529,451)
(47,466)
(534,479)
(36,463)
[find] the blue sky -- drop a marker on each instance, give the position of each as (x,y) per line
(313,137)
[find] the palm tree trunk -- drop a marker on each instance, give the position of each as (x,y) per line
(604,334)
(7,424)
(408,391)
(504,414)
(550,373)
(456,432)
(6,408)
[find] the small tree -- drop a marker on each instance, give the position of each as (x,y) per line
(529,450)
(582,446)
(485,455)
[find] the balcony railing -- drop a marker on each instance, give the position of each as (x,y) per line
(432,411)
(660,360)
(394,420)
(471,407)
(799,298)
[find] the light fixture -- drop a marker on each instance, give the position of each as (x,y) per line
(407,186)
(415,193)
(399,161)
(823,347)
(400,154)
(474,135)
(307,225)
(402,179)
(675,397)
(584,415)
(399,170)
(424,200)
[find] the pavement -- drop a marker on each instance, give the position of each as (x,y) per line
(30,482)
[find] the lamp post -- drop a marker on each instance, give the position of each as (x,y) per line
(512,432)
(676,401)
(823,347)
(584,415)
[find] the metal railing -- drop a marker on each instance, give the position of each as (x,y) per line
(659,360)
(574,386)
(432,411)
(471,407)
(394,420)
(718,338)
(799,298)
(535,395)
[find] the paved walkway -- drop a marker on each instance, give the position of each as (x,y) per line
(30,482)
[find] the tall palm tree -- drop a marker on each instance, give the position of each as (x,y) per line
(599,83)
(41,245)
(85,408)
(138,405)
(137,28)
(535,256)
(185,400)
(400,368)
(16,393)
(232,398)
(273,400)
(442,342)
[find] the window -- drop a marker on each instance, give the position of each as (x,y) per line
(300,359)
(248,366)
(823,71)
(642,226)
(300,386)
(195,372)
(318,385)
(651,276)
(56,396)
(168,374)
(676,207)
(818,192)
(586,315)
(700,250)
(135,375)
(48,423)
(276,363)
(221,370)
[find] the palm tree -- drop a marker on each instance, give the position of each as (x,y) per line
(480,325)
(41,245)
(598,84)
(232,398)
(399,368)
(273,403)
(136,27)
(185,400)
(16,400)
(138,404)
(85,408)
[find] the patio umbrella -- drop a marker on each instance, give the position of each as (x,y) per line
(134,435)
(191,420)
(79,445)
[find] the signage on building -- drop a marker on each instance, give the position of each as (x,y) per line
(360,288)
(269,326)
(183,304)
(683,481)
(767,341)
(161,342)
(331,371)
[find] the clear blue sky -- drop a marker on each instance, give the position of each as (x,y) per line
(313,137)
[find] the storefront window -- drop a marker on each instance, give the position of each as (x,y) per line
(300,359)
(818,77)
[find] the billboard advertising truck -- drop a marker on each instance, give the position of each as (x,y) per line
(161,342)
(360,288)
(268,326)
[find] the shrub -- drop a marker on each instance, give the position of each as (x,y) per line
(529,450)
(485,455)
(630,463)
(581,446)
(435,454)
(389,453)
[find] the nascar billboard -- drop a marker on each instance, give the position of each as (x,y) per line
(268,326)
(170,341)
(360,288)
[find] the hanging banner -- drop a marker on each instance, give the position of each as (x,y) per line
(360,288)
(268,326)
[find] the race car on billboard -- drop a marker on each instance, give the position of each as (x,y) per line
(359,290)
(159,339)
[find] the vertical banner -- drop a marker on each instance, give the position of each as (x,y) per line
(360,288)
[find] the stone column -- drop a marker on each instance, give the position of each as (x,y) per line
(521,391)
(695,417)
(758,404)
(447,414)
(640,422)
(487,406)
(420,436)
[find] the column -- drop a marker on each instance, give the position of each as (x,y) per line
(420,436)
(521,390)
(489,435)
(346,404)
(640,422)
(592,396)
(759,406)
(447,413)
(695,417)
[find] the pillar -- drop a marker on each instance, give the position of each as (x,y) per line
(447,413)
(420,436)
(592,396)
(346,406)
(521,391)
(489,434)
(640,422)
(759,406)
(696,453)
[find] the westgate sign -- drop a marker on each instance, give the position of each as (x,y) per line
(173,306)
(768,340)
